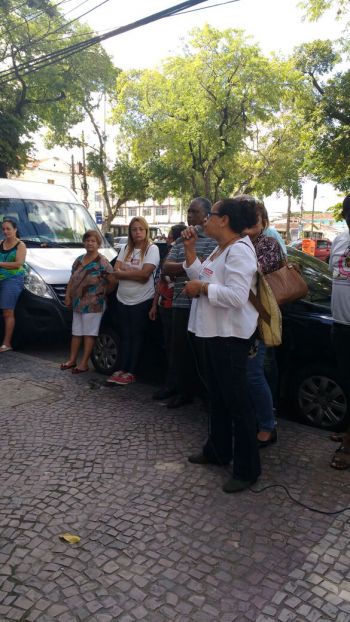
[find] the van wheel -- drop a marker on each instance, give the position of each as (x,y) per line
(319,398)
(106,350)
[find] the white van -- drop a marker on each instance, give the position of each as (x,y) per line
(51,221)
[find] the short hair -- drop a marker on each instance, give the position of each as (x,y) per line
(92,233)
(176,230)
(204,203)
(346,205)
(241,211)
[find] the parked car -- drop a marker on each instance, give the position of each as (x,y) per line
(309,382)
(119,241)
(322,247)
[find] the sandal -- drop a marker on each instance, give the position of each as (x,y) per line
(65,366)
(5,348)
(337,438)
(341,459)
(77,370)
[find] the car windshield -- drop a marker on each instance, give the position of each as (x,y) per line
(316,274)
(48,223)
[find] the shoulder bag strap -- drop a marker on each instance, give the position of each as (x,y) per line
(254,299)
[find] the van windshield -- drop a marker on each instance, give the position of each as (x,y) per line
(48,223)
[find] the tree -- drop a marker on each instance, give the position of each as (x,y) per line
(326,113)
(212,121)
(316,8)
(54,96)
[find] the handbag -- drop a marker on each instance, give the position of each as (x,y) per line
(287,284)
(270,317)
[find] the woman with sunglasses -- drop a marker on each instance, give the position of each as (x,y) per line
(223,317)
(12,257)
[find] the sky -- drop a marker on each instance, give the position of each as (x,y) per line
(276,25)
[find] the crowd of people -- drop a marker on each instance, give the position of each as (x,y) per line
(202,294)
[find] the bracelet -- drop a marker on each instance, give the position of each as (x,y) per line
(204,289)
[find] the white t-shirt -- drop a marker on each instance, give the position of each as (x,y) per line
(226,311)
(134,292)
(339,263)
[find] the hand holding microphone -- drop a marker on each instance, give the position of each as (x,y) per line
(189,236)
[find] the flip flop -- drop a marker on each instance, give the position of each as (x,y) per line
(64,366)
(339,461)
(4,348)
(77,370)
(336,437)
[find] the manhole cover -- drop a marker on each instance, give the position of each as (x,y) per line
(14,392)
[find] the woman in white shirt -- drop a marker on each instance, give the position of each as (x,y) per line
(134,269)
(223,316)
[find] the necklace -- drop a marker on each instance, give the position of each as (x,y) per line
(222,248)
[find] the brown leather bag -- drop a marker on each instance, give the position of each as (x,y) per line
(287,284)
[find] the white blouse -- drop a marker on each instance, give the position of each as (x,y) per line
(135,292)
(226,311)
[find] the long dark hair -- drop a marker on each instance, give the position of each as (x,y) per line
(13,223)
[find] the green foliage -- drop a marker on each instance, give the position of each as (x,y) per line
(54,97)
(326,114)
(213,121)
(336,211)
(316,8)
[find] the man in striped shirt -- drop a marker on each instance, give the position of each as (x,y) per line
(182,348)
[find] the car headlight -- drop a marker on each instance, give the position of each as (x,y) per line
(35,284)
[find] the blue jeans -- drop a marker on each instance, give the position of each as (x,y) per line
(259,391)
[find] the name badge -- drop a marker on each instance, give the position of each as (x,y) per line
(207,272)
(135,262)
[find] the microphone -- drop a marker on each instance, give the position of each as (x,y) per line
(198,229)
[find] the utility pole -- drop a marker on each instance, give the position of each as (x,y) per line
(84,184)
(313,208)
(72,170)
(289,208)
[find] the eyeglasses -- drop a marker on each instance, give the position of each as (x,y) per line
(210,214)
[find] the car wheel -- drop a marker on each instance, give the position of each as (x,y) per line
(106,350)
(320,399)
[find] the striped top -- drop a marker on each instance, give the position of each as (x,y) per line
(9,256)
(204,247)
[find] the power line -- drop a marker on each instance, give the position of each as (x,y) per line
(65,25)
(211,6)
(59,55)
(43,12)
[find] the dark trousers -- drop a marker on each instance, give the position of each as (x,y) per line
(132,323)
(166,316)
(231,410)
(183,353)
(341,345)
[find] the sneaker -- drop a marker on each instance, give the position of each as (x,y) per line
(125,379)
(114,377)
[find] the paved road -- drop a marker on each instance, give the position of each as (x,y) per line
(160,541)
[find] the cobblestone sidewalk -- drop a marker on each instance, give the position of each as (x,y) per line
(160,541)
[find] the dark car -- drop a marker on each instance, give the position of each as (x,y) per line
(309,383)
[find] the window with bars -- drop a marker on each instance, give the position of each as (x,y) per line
(161,211)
